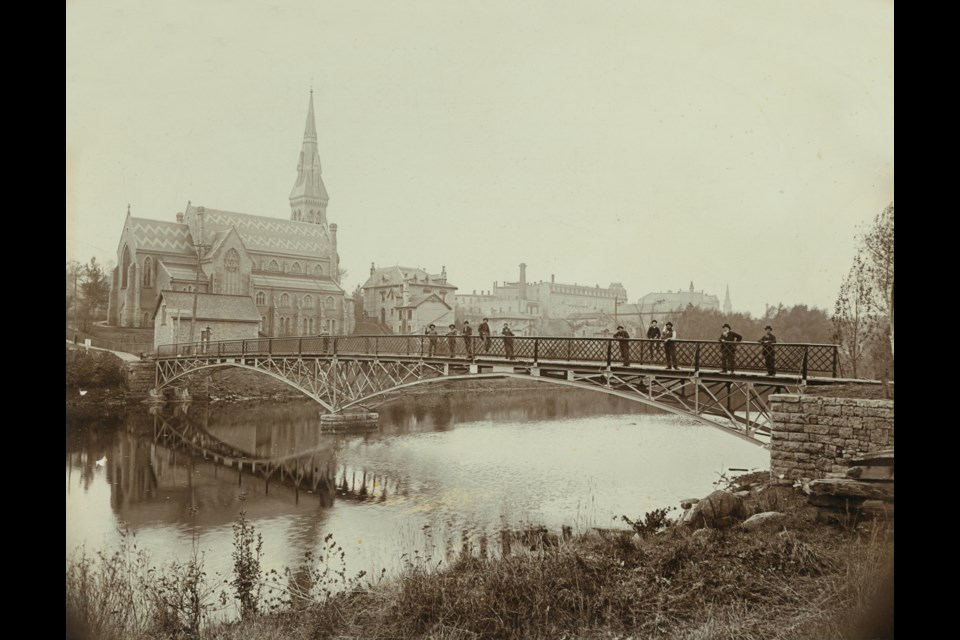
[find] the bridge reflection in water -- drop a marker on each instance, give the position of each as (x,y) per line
(415,484)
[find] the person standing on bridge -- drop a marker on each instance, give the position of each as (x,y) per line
(452,339)
(728,349)
(653,333)
(670,346)
(623,336)
(507,341)
(769,358)
(485,335)
(432,339)
(468,338)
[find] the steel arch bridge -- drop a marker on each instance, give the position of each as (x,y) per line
(343,373)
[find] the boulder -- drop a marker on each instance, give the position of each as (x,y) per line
(759,519)
(719,510)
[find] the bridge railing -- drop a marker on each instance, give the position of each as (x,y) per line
(802,360)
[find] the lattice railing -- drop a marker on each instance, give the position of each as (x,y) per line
(801,360)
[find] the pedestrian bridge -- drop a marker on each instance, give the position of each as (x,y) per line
(353,373)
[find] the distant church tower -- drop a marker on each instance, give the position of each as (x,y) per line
(727,307)
(308,198)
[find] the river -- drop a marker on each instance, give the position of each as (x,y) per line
(443,473)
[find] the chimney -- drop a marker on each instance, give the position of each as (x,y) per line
(523,281)
(180,217)
(372,268)
(552,279)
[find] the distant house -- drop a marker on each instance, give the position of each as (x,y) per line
(405,299)
(219,317)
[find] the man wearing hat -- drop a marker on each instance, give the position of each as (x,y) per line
(769,359)
(623,336)
(468,338)
(728,349)
(507,341)
(452,339)
(670,346)
(653,333)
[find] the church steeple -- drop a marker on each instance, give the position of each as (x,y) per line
(727,307)
(308,198)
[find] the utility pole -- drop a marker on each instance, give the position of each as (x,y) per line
(198,243)
(76,305)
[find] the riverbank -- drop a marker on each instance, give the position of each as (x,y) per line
(790,577)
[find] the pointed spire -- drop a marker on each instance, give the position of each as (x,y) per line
(308,198)
(310,130)
(727,307)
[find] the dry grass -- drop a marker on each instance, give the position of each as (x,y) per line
(787,580)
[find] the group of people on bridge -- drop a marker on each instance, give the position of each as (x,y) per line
(728,346)
(663,341)
(483,331)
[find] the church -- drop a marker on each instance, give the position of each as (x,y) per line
(288,268)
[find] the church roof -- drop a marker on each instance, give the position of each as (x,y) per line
(210,306)
(267,235)
(299,283)
(158,235)
(182,271)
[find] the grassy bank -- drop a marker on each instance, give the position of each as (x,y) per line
(792,578)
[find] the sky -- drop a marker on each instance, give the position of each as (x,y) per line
(738,143)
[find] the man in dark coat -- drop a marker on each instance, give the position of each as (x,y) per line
(507,341)
(769,358)
(653,333)
(728,349)
(484,332)
(623,336)
(468,338)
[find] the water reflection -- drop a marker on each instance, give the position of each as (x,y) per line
(443,475)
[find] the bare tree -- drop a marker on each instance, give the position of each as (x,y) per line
(851,325)
(864,308)
(878,253)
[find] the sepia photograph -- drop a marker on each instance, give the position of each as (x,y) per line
(452,320)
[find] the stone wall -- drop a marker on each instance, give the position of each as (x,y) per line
(815,435)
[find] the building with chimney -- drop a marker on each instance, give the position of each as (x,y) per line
(289,268)
(540,308)
(406,300)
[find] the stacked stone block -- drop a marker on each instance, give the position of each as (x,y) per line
(813,436)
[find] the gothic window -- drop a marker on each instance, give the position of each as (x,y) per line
(273,266)
(284,300)
(124,267)
(261,297)
(329,303)
(231,280)
(295,268)
(318,270)
(383,296)
(148,272)
(310,217)
(308,302)
(163,314)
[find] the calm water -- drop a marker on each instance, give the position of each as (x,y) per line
(442,472)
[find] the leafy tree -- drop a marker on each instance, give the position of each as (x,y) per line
(94,292)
